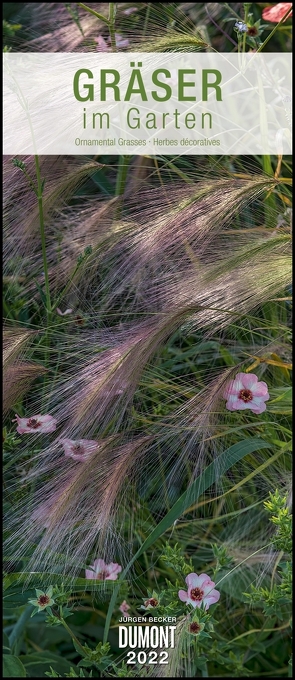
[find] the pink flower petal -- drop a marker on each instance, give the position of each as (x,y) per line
(248,380)
(112,576)
(257,401)
(208,587)
(259,409)
(120,41)
(21,429)
(124,607)
(102,45)
(99,565)
(183,596)
(48,423)
(234,387)
(89,574)
(239,404)
(113,569)
(205,580)
(276,12)
(114,566)
(195,581)
(230,406)
(212,597)
(260,390)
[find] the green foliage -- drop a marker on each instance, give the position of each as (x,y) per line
(97,657)
(216,515)
(174,558)
(277,600)
(73,12)
(9,30)
(222,558)
(13,667)
(71,674)
(282,519)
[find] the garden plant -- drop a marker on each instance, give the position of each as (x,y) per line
(147,380)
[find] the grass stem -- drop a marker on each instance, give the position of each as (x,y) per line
(43,239)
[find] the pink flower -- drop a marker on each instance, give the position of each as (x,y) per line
(102,571)
(120,41)
(246,392)
(200,589)
(105,45)
(79,449)
(102,45)
(124,607)
(35,424)
(276,13)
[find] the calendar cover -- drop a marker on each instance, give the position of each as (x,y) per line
(147,339)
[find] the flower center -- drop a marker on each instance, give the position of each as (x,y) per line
(101,575)
(252,31)
(34,423)
(152,602)
(245,395)
(43,600)
(195,628)
(77,448)
(196,594)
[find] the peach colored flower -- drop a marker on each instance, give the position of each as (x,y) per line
(102,571)
(246,392)
(79,449)
(276,12)
(35,424)
(200,589)
(124,607)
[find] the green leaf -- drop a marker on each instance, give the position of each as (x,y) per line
(200,662)
(66,612)
(210,475)
(78,649)
(13,667)
(6,645)
(37,664)
(35,611)
(85,663)
(41,293)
